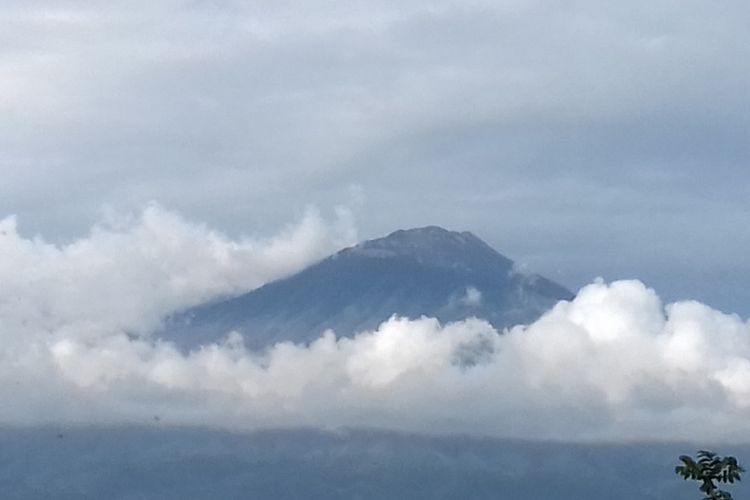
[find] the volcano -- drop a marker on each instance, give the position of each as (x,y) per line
(426,271)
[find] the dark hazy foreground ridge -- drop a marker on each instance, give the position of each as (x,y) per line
(173,463)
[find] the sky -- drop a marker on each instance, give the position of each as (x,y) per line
(581,138)
(154,155)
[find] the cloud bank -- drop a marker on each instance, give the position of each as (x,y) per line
(613,364)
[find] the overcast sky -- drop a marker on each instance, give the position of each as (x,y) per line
(582,138)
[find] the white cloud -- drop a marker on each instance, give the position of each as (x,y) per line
(612,364)
(473,297)
(132,270)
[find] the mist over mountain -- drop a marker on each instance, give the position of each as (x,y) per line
(426,271)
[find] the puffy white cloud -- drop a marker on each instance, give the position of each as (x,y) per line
(613,363)
(132,270)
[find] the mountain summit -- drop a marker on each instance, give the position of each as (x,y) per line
(426,271)
(433,246)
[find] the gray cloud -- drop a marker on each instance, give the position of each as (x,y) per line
(571,136)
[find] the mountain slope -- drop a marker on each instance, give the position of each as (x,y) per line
(427,271)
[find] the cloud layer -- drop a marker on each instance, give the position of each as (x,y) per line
(614,363)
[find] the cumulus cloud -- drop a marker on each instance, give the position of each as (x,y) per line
(614,363)
(131,270)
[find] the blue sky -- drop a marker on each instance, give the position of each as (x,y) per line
(581,138)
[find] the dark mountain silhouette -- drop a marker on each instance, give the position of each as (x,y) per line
(411,273)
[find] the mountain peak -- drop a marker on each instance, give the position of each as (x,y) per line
(430,245)
(427,236)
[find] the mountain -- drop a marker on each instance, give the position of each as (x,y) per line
(427,271)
